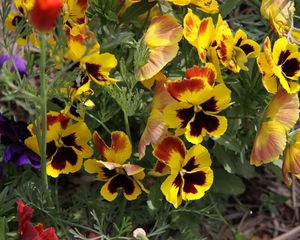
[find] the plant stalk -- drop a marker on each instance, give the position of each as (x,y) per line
(43,112)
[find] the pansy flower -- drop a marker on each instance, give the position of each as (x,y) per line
(208,6)
(67,144)
(113,170)
(26,229)
(234,52)
(162,39)
(196,112)
(280,116)
(83,47)
(291,158)
(190,173)
(12,136)
(279,13)
(280,66)
(18,17)
(74,11)
(17,63)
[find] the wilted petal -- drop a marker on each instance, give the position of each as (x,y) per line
(158,58)
(269,143)
(284,108)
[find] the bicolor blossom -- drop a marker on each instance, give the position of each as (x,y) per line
(280,116)
(190,173)
(196,112)
(280,14)
(16,20)
(280,66)
(113,170)
(219,43)
(162,39)
(67,144)
(84,48)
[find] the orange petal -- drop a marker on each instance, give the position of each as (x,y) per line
(158,58)
(171,151)
(207,73)
(189,91)
(155,127)
(291,160)
(284,108)
(269,143)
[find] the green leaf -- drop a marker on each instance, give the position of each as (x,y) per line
(228,6)
(225,158)
(2,228)
(227,183)
(137,9)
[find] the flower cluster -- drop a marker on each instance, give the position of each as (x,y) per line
(189,108)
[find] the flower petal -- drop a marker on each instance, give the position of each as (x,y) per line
(171,188)
(190,91)
(196,157)
(269,143)
(291,161)
(66,160)
(204,123)
(163,31)
(196,183)
(94,166)
(158,58)
(131,189)
(171,151)
(283,108)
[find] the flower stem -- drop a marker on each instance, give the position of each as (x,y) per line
(43,112)
(127,127)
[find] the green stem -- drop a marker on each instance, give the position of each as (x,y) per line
(43,112)
(100,122)
(127,127)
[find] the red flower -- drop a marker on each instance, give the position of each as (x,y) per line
(43,15)
(26,229)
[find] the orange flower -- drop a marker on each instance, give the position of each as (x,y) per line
(43,16)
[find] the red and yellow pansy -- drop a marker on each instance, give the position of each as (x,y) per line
(113,170)
(196,112)
(67,144)
(190,173)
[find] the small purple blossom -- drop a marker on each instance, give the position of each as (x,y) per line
(19,62)
(12,136)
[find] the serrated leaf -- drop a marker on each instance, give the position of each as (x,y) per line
(227,183)
(137,9)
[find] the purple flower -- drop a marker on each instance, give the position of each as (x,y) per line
(12,136)
(19,62)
